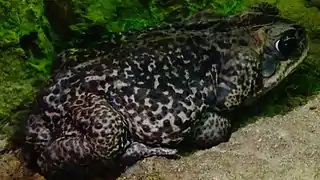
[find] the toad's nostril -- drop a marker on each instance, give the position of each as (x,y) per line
(300,32)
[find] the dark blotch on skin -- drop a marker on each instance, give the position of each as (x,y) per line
(166,123)
(158,116)
(118,100)
(130,106)
(164,110)
(98,125)
(154,106)
(177,121)
(167,126)
(243,42)
(150,114)
(164,100)
(223,45)
(198,95)
(64,98)
(44,135)
(146,128)
(142,92)
(127,90)
(102,83)
(79,102)
(152,119)
(175,104)
(56,91)
(55,118)
(187,101)
(89,111)
(103,134)
(93,85)
(141,102)
(64,83)
(101,141)
(83,113)
(51,98)
(140,109)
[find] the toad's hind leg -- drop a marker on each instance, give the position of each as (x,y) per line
(210,129)
(37,138)
(101,136)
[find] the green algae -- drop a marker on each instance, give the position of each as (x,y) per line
(22,65)
(16,87)
(20,19)
(23,68)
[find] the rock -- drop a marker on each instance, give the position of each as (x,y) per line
(3,143)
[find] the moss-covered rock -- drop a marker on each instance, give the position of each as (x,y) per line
(26,50)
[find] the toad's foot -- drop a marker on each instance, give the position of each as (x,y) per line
(137,151)
(211,129)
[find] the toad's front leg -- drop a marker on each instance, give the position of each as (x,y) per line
(210,129)
(103,138)
(238,80)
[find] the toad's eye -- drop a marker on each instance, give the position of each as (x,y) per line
(286,45)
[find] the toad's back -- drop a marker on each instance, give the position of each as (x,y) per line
(159,86)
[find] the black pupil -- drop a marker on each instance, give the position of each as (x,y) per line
(287,45)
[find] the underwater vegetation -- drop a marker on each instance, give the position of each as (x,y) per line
(32,31)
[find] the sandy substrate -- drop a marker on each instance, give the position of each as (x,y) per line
(280,147)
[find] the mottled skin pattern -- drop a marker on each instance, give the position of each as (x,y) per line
(144,95)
